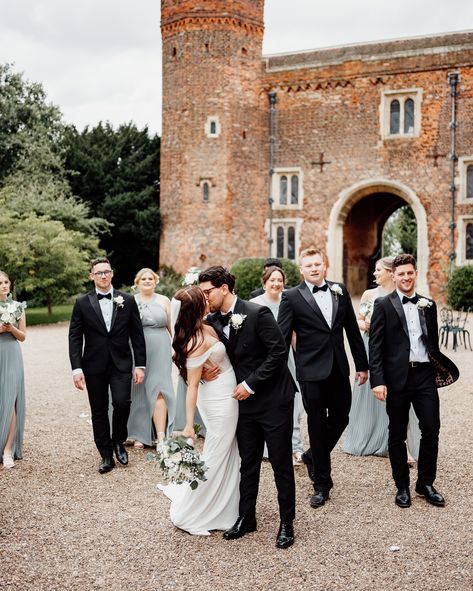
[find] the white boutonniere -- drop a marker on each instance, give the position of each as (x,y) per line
(336,290)
(236,321)
(423,303)
(119,301)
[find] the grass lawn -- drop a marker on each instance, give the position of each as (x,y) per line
(40,315)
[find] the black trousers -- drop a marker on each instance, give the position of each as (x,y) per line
(421,391)
(275,428)
(98,386)
(327,404)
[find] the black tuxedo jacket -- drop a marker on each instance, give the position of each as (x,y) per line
(91,345)
(318,345)
(258,355)
(389,344)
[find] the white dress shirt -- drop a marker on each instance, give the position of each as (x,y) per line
(324,301)
(106,306)
(418,351)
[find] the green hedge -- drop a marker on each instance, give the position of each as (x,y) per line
(248,274)
(61,313)
(460,288)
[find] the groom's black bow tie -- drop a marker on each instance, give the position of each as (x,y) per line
(224,319)
(414,299)
(323,287)
(100,296)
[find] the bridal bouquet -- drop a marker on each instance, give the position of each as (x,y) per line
(179,461)
(366,308)
(10,311)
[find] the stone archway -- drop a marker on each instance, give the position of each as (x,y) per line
(355,223)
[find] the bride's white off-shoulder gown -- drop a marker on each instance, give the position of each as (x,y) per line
(213,505)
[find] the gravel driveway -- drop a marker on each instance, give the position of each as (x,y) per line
(63,526)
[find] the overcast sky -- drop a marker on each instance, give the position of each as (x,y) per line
(101,59)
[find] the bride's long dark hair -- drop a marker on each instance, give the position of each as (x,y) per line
(188,334)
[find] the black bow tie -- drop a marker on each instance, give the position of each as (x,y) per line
(414,299)
(100,296)
(323,287)
(224,319)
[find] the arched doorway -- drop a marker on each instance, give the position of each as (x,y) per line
(355,231)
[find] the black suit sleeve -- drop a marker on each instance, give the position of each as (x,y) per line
(354,338)
(136,336)
(285,319)
(272,339)
(376,345)
(76,337)
(433,328)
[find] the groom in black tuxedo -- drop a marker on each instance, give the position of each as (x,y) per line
(265,392)
(318,311)
(405,367)
(103,324)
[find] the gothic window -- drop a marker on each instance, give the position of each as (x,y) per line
(400,113)
(280,242)
(291,243)
(394,117)
(294,189)
(287,188)
(283,190)
(469,181)
(205,191)
(469,241)
(409,116)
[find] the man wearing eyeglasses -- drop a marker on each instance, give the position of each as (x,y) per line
(104,323)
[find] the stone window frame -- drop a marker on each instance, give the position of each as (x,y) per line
(463,221)
(463,163)
(288,171)
(285,223)
(212,120)
(210,183)
(387,97)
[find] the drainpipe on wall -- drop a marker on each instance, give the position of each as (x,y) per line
(453,82)
(272,148)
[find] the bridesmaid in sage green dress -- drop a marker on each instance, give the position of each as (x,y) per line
(12,383)
(153,403)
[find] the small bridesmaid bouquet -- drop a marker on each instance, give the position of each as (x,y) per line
(179,462)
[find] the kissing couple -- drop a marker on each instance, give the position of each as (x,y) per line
(248,403)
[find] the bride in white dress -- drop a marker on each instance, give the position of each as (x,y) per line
(213,505)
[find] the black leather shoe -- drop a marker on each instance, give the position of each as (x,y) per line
(403,498)
(121,453)
(106,465)
(319,497)
(430,494)
(309,465)
(243,525)
(285,535)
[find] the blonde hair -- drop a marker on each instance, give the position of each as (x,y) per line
(312,251)
(386,263)
(144,270)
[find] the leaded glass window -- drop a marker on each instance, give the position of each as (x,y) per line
(294,189)
(280,242)
(469,241)
(205,191)
(394,119)
(469,181)
(291,243)
(283,190)
(409,116)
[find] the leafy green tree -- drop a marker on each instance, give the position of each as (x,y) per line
(44,257)
(248,274)
(116,172)
(400,233)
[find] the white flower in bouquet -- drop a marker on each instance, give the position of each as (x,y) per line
(10,311)
(179,461)
(366,309)
(236,321)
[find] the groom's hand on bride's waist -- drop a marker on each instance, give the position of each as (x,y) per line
(241,393)
(210,373)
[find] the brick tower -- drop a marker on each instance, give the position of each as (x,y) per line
(213,188)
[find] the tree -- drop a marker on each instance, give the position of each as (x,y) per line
(116,172)
(400,233)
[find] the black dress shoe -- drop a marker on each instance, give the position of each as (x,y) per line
(243,525)
(307,459)
(285,535)
(106,465)
(403,498)
(121,453)
(318,498)
(430,494)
